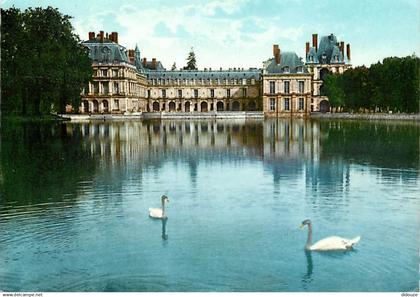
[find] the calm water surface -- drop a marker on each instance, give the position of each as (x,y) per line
(75,197)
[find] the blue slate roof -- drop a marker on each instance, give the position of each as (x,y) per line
(202,74)
(328,52)
(149,66)
(106,52)
(289,63)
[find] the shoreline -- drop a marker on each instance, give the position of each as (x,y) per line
(240,115)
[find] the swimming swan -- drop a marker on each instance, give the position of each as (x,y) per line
(159,213)
(333,243)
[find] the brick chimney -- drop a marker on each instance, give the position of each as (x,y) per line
(131,55)
(115,37)
(101,36)
(276,53)
(307,48)
(342,48)
(315,41)
(154,63)
(144,62)
(91,35)
(348,51)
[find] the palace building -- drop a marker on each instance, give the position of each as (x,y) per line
(125,83)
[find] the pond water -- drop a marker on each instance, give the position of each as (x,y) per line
(75,197)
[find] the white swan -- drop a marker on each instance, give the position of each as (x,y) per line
(159,213)
(332,243)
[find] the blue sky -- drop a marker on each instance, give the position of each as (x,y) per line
(240,33)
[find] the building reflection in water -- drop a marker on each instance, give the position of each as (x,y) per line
(283,146)
(290,150)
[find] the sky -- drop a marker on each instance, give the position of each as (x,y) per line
(240,33)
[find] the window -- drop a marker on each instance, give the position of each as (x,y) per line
(163,93)
(148,93)
(301,104)
(116,104)
(272,104)
(212,93)
(286,103)
(299,69)
(104,72)
(272,87)
(115,73)
(287,87)
(116,88)
(244,92)
(105,88)
(301,86)
(96,88)
(180,93)
(286,69)
(228,93)
(196,93)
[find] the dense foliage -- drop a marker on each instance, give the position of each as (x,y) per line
(392,85)
(191,61)
(44,66)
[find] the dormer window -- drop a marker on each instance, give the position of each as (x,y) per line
(299,69)
(311,58)
(286,69)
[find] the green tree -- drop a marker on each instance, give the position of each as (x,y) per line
(392,84)
(44,66)
(191,61)
(333,88)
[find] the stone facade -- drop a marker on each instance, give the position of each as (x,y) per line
(326,57)
(286,85)
(125,83)
(202,91)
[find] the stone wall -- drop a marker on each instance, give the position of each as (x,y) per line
(366,116)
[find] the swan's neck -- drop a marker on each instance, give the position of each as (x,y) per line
(309,240)
(163,208)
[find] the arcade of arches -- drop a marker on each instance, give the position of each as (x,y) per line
(103,106)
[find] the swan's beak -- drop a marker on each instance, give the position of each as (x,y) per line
(301,226)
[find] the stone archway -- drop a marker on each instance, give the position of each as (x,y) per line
(187,106)
(324,106)
(95,106)
(172,106)
(204,106)
(85,105)
(220,106)
(252,106)
(156,106)
(105,106)
(236,106)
